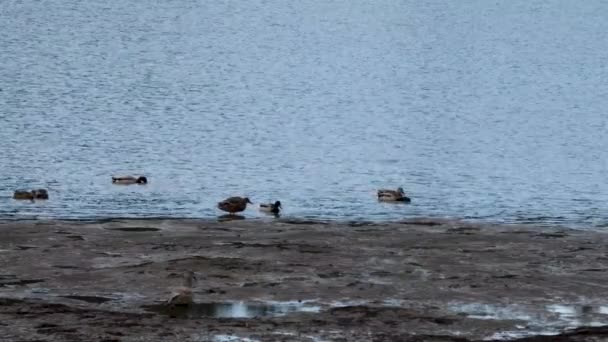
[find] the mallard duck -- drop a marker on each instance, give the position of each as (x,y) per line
(273,208)
(183,294)
(40,194)
(23,195)
(234,204)
(398,195)
(31,195)
(127,180)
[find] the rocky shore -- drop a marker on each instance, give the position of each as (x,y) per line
(294,280)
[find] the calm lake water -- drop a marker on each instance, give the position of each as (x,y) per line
(479,109)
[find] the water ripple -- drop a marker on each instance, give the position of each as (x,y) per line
(489,111)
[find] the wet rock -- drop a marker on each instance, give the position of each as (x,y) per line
(89,299)
(376,273)
(135,229)
(19,282)
(553,235)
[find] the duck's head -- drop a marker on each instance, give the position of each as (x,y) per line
(277,204)
(400,189)
(247,200)
(142,180)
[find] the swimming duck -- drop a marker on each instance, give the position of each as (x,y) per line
(234,204)
(398,195)
(127,180)
(23,195)
(183,294)
(273,208)
(40,194)
(31,195)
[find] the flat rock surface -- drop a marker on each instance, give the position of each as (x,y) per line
(290,280)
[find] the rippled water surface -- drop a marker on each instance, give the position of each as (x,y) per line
(535,319)
(479,109)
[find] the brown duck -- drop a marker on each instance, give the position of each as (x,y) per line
(385,195)
(234,204)
(31,195)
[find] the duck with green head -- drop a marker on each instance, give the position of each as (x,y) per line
(272,208)
(128,180)
(386,195)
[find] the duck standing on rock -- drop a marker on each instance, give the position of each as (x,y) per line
(128,180)
(385,195)
(234,204)
(183,294)
(273,208)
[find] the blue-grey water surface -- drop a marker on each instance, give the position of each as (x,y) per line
(479,109)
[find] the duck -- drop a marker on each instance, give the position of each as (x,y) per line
(40,194)
(234,204)
(183,295)
(127,180)
(386,195)
(31,195)
(273,208)
(23,195)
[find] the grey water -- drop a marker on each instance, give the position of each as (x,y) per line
(482,110)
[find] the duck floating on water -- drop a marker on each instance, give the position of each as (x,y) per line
(386,195)
(273,208)
(234,204)
(183,294)
(128,180)
(31,195)
(40,194)
(23,195)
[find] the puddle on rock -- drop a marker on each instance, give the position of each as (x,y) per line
(493,312)
(230,217)
(19,282)
(233,309)
(232,338)
(536,320)
(135,229)
(89,299)
(581,315)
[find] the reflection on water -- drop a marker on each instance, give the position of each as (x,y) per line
(233,309)
(550,319)
(230,217)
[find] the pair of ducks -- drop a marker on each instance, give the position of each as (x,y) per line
(39,194)
(237,204)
